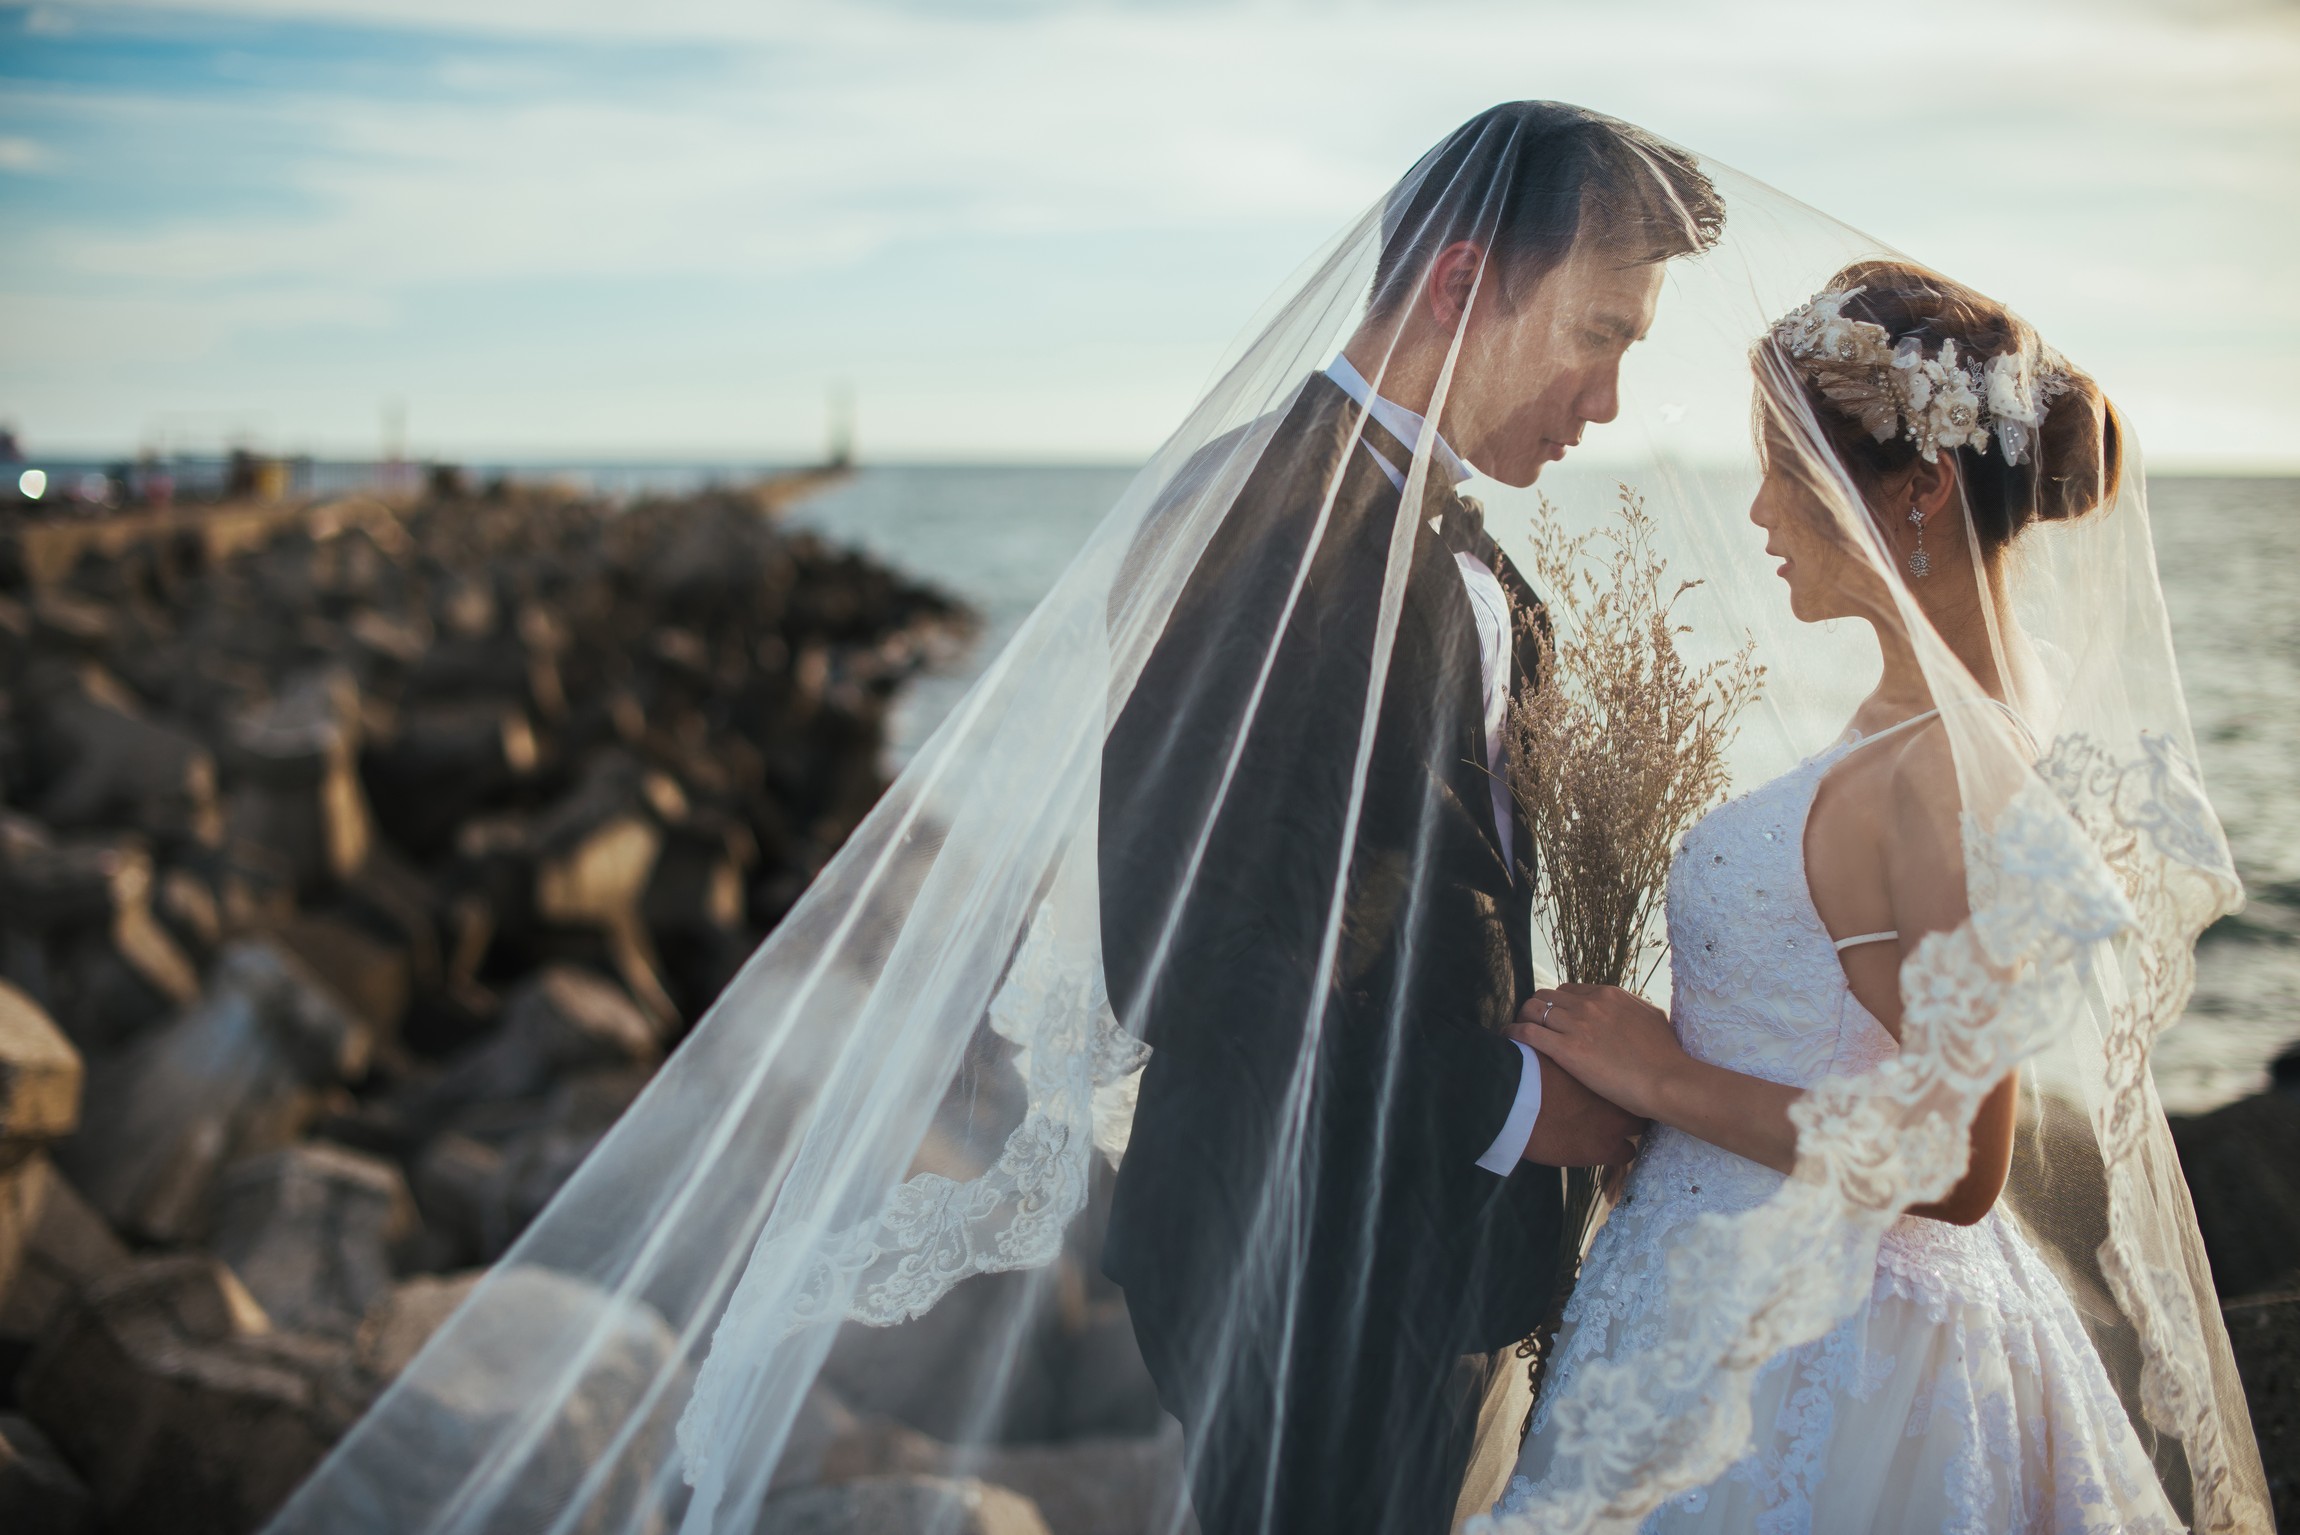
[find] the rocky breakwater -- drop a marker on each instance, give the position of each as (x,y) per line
(358,864)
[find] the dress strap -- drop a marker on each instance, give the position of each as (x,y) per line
(1860,938)
(1889,730)
(2007,710)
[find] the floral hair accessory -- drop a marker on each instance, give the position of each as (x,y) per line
(1936,402)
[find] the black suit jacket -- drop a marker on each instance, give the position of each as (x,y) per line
(1355,1236)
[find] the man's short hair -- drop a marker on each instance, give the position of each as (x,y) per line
(1526,180)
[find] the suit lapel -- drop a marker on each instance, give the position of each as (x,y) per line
(1436,595)
(1435,623)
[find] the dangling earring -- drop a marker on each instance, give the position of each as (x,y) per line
(1920,563)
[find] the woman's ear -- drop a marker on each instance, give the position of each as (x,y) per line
(1933,488)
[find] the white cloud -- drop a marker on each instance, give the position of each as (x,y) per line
(2123,173)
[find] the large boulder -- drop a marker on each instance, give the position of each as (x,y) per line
(447,760)
(86,940)
(309,1230)
(293,762)
(39,1083)
(1086,1486)
(2264,1332)
(927,1372)
(563,1020)
(185,1411)
(1071,1367)
(109,765)
(1106,1389)
(829,1442)
(502,1365)
(39,1103)
(39,1493)
(2243,1168)
(599,845)
(902,1505)
(480,1184)
(61,1247)
(398,1326)
(866,1444)
(598,883)
(1131,1486)
(371,974)
(241,1072)
(576,1118)
(459,1186)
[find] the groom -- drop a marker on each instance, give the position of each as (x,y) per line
(1341,1202)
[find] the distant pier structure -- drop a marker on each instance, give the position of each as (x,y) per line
(839,449)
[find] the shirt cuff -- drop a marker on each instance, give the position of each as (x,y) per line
(1508,1148)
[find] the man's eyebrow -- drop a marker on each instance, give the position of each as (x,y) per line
(1615,326)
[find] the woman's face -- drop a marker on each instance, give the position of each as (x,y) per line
(1826,578)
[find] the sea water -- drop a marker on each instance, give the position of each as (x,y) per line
(2230,559)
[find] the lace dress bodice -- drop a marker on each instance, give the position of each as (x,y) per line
(1755,982)
(1966,1335)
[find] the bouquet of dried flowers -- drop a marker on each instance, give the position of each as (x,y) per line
(1618,745)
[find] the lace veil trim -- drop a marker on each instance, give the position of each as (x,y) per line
(1081,1071)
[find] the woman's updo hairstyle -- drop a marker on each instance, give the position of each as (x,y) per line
(2078,456)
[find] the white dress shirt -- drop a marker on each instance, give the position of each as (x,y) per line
(1490,609)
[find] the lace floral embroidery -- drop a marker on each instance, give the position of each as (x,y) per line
(2160,842)
(1081,1070)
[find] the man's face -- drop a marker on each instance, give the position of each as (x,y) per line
(1532,376)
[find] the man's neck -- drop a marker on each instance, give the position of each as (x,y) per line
(1398,418)
(1399,373)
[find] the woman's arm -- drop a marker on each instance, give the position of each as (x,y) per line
(1623,1048)
(1924,871)
(1992,1144)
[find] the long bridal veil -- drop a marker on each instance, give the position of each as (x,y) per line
(908,1104)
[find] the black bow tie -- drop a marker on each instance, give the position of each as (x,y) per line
(1460,522)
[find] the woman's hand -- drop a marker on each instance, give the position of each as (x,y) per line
(1615,1041)
(1623,1047)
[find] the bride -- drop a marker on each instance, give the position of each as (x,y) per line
(1964,1393)
(1909,1243)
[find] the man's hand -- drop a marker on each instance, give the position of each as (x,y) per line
(1576,1128)
(1614,1042)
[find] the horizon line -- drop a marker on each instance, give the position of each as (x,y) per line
(2170,466)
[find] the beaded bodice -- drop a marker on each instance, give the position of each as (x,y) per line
(1755,983)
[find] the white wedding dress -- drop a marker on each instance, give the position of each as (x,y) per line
(1964,1395)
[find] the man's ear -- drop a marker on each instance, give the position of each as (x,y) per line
(1453,277)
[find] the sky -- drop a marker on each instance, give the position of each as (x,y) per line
(1025,229)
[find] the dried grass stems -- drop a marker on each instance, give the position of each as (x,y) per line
(1619,744)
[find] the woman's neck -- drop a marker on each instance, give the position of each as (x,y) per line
(1902,689)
